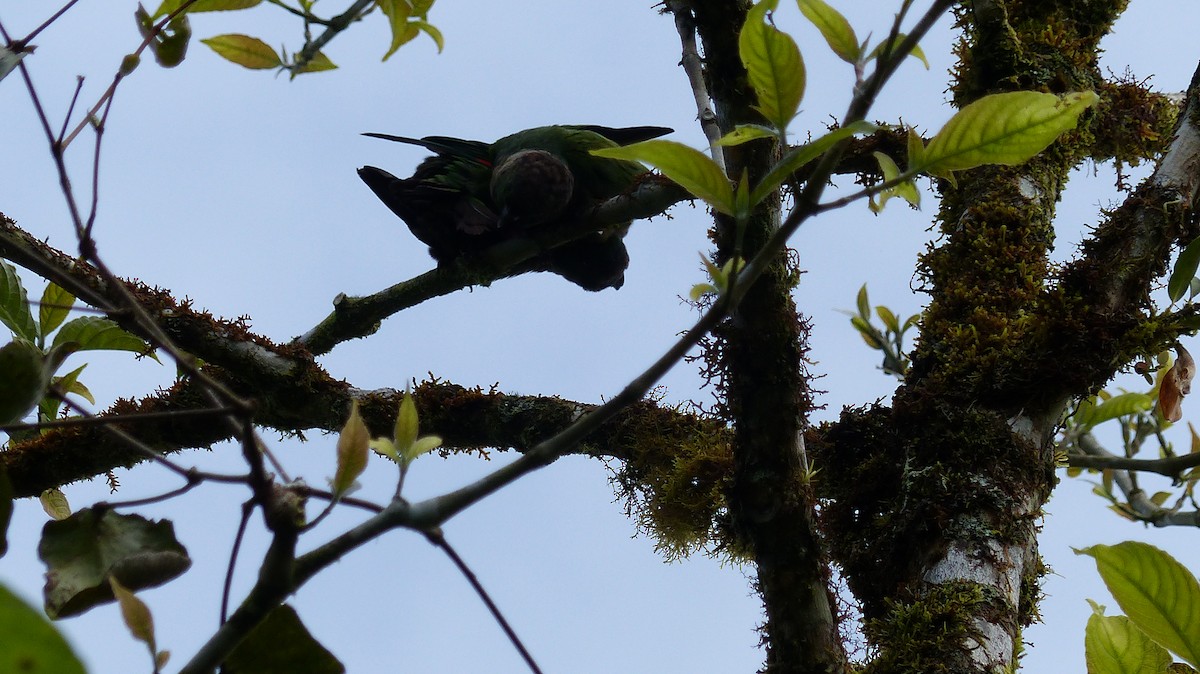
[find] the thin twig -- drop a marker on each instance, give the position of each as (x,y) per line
(54,17)
(247,509)
(435,536)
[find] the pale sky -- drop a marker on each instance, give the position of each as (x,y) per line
(238,189)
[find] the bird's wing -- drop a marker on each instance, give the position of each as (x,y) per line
(627,134)
(444,145)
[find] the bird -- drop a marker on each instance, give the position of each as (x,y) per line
(471,195)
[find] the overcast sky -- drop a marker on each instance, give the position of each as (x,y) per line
(237,189)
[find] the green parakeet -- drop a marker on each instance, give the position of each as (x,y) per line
(472,195)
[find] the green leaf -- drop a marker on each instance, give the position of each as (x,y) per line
(797,157)
(744,133)
(93,333)
(773,64)
(14,304)
(280,644)
(690,168)
(170,46)
(1114,645)
(1007,128)
(81,551)
(169,6)
(248,52)
(835,29)
(29,643)
(24,380)
(352,450)
(1158,594)
(1184,271)
(55,306)
(915,53)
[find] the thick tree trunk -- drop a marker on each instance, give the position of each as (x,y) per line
(935,501)
(759,355)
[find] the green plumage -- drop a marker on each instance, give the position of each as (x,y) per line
(472,195)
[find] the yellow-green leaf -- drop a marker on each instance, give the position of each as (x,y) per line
(889,319)
(318,63)
(834,27)
(397,13)
(906,190)
(54,502)
(862,302)
(1114,645)
(916,148)
(916,52)
(135,614)
(869,334)
(248,52)
(692,169)
(352,446)
(432,31)
(1158,594)
(1007,128)
(56,304)
(420,446)
(407,424)
(701,289)
(385,447)
(743,133)
(773,64)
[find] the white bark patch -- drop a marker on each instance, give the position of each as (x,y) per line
(1029,190)
(996,566)
(1181,164)
(995,651)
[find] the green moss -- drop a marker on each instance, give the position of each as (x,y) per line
(925,635)
(676,489)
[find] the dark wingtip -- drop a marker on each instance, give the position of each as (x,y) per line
(395,139)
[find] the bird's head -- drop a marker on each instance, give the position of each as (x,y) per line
(531,187)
